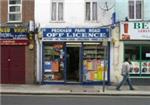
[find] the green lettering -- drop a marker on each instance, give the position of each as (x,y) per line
(137,25)
(145,25)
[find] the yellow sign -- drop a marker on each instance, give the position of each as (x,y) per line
(4,29)
(15,29)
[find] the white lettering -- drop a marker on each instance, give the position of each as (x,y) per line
(54,35)
(61,30)
(94,30)
(79,30)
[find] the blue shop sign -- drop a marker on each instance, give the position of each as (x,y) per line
(13,33)
(75,34)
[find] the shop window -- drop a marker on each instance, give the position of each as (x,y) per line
(145,63)
(91,11)
(57,8)
(133,52)
(93,62)
(15,11)
(140,59)
(53,62)
(135,9)
(145,52)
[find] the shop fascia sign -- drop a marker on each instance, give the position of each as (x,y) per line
(13,42)
(15,33)
(75,34)
(135,30)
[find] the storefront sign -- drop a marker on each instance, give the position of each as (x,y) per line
(135,31)
(13,42)
(75,34)
(16,33)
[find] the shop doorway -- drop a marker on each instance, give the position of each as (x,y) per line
(73,64)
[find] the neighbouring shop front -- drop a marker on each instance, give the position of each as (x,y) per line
(14,45)
(136,38)
(75,55)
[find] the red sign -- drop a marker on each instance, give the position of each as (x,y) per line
(14,42)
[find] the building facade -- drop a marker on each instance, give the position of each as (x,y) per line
(73,44)
(76,41)
(131,37)
(16,48)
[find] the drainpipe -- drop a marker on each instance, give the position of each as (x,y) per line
(38,55)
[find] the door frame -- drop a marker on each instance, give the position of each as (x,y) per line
(79,45)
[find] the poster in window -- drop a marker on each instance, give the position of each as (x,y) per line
(135,67)
(145,67)
(55,66)
(47,66)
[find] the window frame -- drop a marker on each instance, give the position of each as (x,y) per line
(91,11)
(57,10)
(16,12)
(135,8)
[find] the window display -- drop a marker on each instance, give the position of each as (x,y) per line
(93,62)
(53,61)
(140,59)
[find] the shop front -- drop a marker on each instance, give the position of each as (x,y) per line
(14,64)
(75,55)
(136,39)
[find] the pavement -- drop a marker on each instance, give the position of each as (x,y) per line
(37,89)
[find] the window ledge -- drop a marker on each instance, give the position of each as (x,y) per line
(91,21)
(57,22)
(13,22)
(135,19)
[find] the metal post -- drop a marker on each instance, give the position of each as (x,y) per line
(105,58)
(105,49)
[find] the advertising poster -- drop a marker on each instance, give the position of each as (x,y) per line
(145,69)
(135,67)
(47,66)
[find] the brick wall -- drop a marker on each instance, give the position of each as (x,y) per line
(4,10)
(30,66)
(27,10)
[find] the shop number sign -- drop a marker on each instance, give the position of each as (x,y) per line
(135,30)
(75,34)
